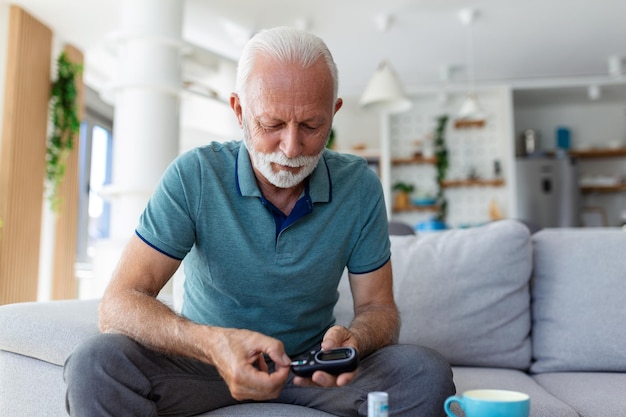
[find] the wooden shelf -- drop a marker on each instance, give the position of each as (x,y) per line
(586,189)
(468,124)
(472,183)
(598,153)
(418,159)
(413,207)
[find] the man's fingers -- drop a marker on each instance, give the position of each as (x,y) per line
(260,385)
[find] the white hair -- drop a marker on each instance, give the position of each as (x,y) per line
(285,44)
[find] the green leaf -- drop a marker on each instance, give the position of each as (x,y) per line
(65,124)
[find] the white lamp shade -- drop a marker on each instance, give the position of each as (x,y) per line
(470,110)
(384,93)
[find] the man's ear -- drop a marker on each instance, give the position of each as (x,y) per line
(235,104)
(338,104)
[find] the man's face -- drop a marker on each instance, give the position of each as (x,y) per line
(286,120)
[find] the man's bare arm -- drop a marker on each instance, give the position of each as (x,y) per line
(129,306)
(376,323)
(376,320)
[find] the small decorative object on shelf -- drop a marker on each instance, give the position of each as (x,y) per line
(494,211)
(403,197)
(497,169)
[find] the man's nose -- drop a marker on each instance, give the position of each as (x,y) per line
(291,142)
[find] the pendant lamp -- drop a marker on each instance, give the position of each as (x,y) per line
(470,113)
(384,93)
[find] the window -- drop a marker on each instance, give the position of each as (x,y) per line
(96,146)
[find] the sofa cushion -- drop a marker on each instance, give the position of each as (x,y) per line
(47,330)
(542,403)
(265,410)
(29,387)
(578,291)
(591,394)
(465,293)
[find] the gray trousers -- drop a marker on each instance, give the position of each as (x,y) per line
(112,375)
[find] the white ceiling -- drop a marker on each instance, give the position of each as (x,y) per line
(524,43)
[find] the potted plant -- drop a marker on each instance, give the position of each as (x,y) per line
(403,198)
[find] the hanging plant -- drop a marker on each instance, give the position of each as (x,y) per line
(330,144)
(441,167)
(65,124)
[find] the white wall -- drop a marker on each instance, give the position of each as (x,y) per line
(592,123)
(355,126)
(205,120)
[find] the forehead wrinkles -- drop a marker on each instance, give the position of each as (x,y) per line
(280,83)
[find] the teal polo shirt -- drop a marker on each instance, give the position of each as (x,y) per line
(247,266)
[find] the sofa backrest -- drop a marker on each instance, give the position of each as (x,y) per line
(464,292)
(578,300)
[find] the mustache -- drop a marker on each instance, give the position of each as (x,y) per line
(296,162)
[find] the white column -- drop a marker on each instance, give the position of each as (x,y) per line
(146,123)
(146,126)
(385,162)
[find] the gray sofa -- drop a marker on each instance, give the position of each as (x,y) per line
(543,314)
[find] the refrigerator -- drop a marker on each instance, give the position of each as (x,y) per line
(547,191)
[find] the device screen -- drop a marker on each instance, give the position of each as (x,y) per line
(334,355)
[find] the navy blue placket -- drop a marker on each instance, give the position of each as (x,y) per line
(303,206)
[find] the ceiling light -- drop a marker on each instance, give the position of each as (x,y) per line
(384,93)
(615,66)
(594,92)
(470,113)
(470,110)
(383,21)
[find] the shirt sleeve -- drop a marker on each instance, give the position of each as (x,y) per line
(167,223)
(373,248)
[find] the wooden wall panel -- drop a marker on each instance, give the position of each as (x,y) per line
(22,154)
(64,283)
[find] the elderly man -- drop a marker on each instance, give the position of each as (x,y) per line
(266,227)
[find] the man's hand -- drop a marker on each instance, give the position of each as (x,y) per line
(335,337)
(239,356)
(376,323)
(129,302)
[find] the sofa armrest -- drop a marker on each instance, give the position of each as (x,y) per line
(48,331)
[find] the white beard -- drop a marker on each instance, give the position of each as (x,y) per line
(281,178)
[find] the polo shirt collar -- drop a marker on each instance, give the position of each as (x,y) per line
(320,185)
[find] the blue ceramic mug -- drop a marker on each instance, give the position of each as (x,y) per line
(490,403)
